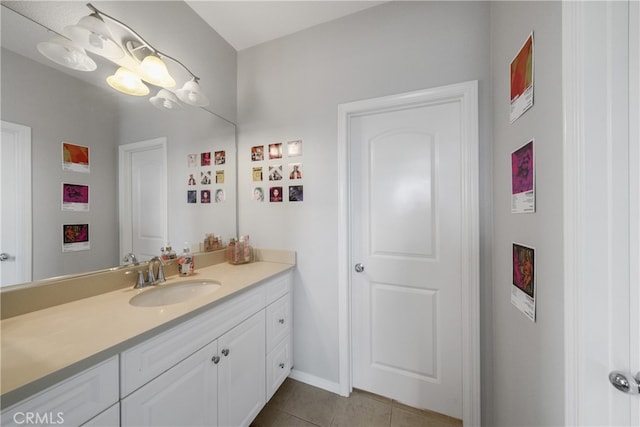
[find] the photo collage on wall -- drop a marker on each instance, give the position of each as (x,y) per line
(75,197)
(277,172)
(205,177)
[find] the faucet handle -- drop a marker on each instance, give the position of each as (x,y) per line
(141,281)
(151,277)
(160,273)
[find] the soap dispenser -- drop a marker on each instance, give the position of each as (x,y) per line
(186,265)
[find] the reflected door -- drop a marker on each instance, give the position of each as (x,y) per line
(406,225)
(143,198)
(15,204)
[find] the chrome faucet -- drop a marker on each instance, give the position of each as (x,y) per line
(152,278)
(130,257)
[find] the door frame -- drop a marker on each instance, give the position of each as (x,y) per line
(466,94)
(24,227)
(125,152)
(582,120)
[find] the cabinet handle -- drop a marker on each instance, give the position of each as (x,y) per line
(215,359)
(225,352)
(282,365)
(281,321)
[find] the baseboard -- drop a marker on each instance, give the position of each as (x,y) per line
(315,381)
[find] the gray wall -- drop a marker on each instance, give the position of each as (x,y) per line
(528,359)
(60,108)
(290,89)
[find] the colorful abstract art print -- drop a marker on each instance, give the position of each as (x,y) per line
(522,79)
(523,195)
(523,291)
(75,158)
(75,197)
(75,237)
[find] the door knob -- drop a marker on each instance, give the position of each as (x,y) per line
(625,383)
(359,268)
(4,256)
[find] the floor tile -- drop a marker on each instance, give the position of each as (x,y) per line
(361,410)
(306,402)
(271,417)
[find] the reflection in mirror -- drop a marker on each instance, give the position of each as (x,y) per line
(59,107)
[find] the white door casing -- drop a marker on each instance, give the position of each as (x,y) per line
(143,211)
(15,208)
(601,84)
(461,100)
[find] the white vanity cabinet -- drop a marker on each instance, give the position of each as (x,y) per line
(71,402)
(222,376)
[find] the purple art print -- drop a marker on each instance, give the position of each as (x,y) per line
(72,193)
(522,169)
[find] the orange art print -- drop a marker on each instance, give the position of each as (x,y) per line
(75,157)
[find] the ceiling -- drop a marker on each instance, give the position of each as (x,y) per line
(247,23)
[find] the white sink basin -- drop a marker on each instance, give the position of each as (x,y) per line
(174,293)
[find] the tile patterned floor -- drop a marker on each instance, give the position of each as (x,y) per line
(297,404)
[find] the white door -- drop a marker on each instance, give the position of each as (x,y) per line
(602,218)
(407,221)
(143,198)
(15,205)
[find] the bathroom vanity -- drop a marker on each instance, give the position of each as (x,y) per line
(213,359)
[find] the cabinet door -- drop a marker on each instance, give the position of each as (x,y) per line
(241,386)
(185,395)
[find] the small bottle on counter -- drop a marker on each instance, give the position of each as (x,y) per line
(186,265)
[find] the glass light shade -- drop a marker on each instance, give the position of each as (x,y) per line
(64,52)
(165,100)
(191,94)
(153,70)
(126,81)
(92,34)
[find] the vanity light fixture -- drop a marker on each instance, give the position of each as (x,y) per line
(191,94)
(165,100)
(92,34)
(126,81)
(64,52)
(137,60)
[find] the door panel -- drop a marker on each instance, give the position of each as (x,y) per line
(406,222)
(15,205)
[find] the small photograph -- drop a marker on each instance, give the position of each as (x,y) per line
(296,193)
(191,180)
(75,197)
(257,153)
(220,177)
(220,195)
(205,159)
(257,174)
(258,194)
(219,157)
(275,151)
(275,172)
(75,158)
(275,194)
(294,148)
(523,195)
(205,177)
(192,196)
(295,171)
(192,160)
(75,237)
(522,80)
(205,196)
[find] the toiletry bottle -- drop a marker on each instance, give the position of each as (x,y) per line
(186,265)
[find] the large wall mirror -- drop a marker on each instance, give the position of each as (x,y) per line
(60,106)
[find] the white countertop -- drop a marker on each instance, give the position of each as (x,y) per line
(40,348)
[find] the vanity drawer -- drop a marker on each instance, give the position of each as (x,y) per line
(278,366)
(278,321)
(70,402)
(147,360)
(278,287)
